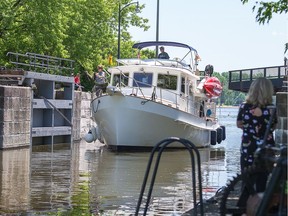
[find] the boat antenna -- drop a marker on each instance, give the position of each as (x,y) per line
(157,27)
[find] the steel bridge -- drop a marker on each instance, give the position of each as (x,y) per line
(240,80)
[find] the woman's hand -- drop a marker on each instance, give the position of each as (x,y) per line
(239,124)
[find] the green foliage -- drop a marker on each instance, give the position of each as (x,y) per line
(149,54)
(84,30)
(265,10)
(228,97)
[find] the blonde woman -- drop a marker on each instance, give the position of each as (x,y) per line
(253,118)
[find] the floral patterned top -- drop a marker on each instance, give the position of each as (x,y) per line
(255,121)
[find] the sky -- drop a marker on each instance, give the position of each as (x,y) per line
(224,32)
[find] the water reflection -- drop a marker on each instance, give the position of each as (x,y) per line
(86,178)
(51,177)
(58,178)
(173,181)
(15,180)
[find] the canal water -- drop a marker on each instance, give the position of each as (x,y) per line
(88,179)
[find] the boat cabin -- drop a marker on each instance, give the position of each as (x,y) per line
(173,84)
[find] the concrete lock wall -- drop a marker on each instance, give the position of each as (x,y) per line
(76,116)
(82,115)
(15,116)
(16,111)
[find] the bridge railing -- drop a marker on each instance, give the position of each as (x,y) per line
(240,80)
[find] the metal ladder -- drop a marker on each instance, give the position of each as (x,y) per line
(195,157)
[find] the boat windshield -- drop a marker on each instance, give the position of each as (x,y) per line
(142,45)
(181,55)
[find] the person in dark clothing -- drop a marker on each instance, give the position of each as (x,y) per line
(253,118)
(100,81)
(163,54)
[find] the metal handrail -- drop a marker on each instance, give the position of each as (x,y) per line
(161,62)
(44,62)
(250,71)
(160,147)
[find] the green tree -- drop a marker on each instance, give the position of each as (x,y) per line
(85,31)
(89,35)
(265,10)
(32,26)
(228,97)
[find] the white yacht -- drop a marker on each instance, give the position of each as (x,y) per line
(148,100)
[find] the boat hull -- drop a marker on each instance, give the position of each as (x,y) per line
(133,122)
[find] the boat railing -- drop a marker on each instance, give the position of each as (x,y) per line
(175,63)
(169,98)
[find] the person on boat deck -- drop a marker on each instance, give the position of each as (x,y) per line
(163,54)
(99,78)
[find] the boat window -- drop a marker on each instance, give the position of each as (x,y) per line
(183,84)
(124,79)
(190,87)
(142,79)
(167,81)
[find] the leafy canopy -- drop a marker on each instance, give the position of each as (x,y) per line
(265,10)
(82,30)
